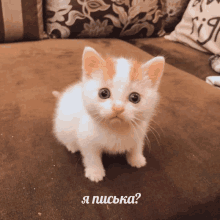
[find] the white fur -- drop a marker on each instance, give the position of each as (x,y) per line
(76,126)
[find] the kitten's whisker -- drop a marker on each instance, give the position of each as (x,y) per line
(148,141)
(138,119)
(150,128)
(158,126)
(144,133)
(138,126)
(98,119)
(135,130)
(155,130)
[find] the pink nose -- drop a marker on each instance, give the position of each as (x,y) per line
(118,109)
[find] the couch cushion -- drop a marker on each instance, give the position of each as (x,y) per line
(174,11)
(179,55)
(104,18)
(199,27)
(39,178)
(21,20)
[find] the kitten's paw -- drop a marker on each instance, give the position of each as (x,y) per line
(94,174)
(70,147)
(137,160)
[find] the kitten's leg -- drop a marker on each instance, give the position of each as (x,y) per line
(72,147)
(92,159)
(135,156)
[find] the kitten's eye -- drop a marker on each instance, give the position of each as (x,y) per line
(134,97)
(104,93)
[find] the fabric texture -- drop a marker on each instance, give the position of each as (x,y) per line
(174,10)
(21,20)
(40,179)
(104,18)
(200,26)
(214,62)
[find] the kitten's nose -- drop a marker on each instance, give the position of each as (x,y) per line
(118,109)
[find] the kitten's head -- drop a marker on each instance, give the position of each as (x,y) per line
(120,92)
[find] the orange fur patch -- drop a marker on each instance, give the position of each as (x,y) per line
(155,70)
(92,62)
(108,69)
(136,71)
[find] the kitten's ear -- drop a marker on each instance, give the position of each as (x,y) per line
(56,94)
(154,69)
(91,60)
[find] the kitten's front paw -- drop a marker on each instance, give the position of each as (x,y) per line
(137,160)
(94,174)
(70,147)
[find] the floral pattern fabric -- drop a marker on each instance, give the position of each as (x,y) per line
(104,18)
(199,27)
(174,10)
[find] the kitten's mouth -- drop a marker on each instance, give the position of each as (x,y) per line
(115,119)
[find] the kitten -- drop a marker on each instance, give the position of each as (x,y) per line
(109,110)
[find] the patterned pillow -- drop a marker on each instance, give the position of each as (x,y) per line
(200,26)
(104,18)
(174,10)
(21,20)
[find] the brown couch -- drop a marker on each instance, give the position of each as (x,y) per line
(40,179)
(183,57)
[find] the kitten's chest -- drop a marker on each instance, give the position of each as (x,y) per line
(115,143)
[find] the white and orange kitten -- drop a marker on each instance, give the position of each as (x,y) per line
(109,110)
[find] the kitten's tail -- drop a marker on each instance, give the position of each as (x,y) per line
(56,94)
